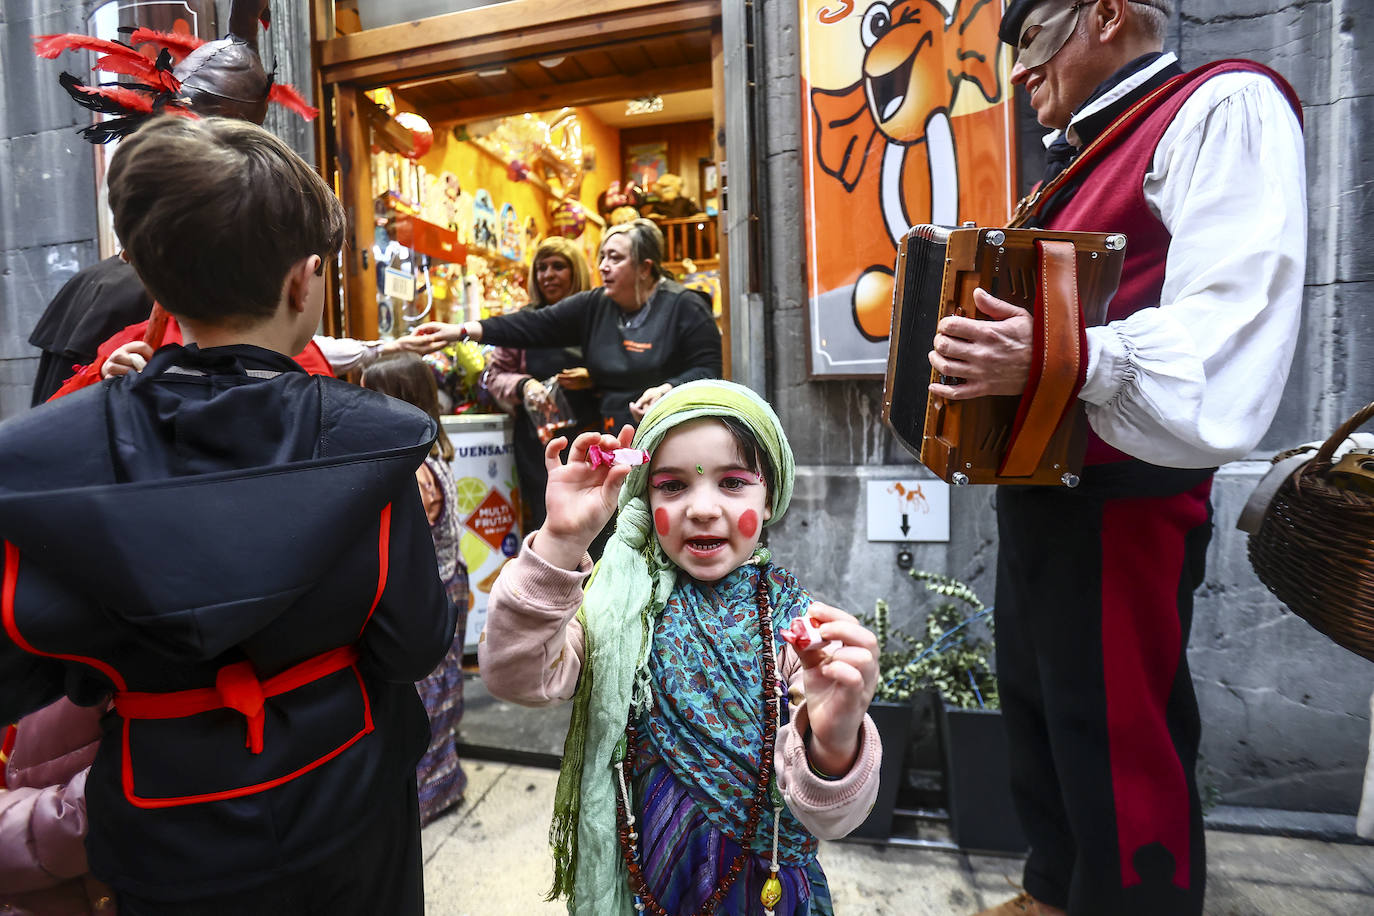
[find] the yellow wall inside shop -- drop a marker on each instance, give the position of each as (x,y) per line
(475,169)
(606,141)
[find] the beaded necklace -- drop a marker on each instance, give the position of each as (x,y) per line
(629,838)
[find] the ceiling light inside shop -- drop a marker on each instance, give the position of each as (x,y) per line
(489,74)
(645,105)
(551,62)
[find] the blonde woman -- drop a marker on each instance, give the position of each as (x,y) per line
(515,376)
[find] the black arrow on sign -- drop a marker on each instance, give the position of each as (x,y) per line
(905,526)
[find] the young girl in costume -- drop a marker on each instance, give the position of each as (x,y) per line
(439,775)
(682,789)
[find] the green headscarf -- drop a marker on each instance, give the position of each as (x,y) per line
(627,591)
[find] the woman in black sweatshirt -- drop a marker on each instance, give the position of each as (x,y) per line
(640,332)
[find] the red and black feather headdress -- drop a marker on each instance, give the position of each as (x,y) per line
(188,76)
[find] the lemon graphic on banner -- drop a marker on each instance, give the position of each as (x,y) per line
(470,492)
(474,550)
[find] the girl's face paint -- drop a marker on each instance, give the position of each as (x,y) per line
(708,507)
(749,523)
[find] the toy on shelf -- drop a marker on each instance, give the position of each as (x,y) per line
(667,201)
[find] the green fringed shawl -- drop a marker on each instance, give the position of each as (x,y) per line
(624,597)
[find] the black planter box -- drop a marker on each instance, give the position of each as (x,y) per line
(978,781)
(894,721)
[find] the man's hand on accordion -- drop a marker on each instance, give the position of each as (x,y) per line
(991,354)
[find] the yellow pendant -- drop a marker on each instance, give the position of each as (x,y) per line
(772,892)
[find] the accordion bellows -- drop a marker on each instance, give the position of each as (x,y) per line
(1065,280)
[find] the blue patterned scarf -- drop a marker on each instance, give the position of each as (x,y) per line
(706,668)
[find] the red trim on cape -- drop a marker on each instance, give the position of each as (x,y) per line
(383,561)
(7,591)
(127,766)
(145,704)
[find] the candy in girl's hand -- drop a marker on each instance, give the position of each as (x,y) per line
(630,457)
(805,633)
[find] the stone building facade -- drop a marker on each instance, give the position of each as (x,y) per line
(1285,711)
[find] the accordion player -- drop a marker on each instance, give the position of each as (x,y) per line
(1065,280)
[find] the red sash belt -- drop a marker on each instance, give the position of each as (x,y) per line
(236,687)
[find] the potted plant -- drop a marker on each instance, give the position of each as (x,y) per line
(893,712)
(952,659)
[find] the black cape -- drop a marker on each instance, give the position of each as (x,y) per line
(223,506)
(100,300)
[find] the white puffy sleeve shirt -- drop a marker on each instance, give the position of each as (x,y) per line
(1195,381)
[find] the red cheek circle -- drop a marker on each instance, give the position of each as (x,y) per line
(749,523)
(661,522)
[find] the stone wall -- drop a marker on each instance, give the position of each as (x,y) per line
(47,172)
(47,187)
(1286,712)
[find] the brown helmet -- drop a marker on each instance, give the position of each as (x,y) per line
(221,78)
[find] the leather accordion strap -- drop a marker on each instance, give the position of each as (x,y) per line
(1055,364)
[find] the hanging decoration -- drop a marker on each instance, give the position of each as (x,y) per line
(512,242)
(569,218)
(546,153)
(419,129)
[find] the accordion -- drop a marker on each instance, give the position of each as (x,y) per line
(1065,280)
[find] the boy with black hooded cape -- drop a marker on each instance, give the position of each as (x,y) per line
(236,553)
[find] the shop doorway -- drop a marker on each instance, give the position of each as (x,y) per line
(458,138)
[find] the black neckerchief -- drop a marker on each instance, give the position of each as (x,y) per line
(1061,153)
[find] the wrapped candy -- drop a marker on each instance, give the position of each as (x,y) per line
(549,410)
(630,457)
(804,633)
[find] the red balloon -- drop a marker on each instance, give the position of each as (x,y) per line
(420,131)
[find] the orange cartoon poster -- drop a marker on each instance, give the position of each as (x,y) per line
(907,120)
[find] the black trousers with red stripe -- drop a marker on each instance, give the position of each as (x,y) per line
(1093,608)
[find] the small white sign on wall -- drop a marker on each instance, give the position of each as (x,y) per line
(908,510)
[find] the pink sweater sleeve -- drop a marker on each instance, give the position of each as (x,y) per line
(829,808)
(504,375)
(531,649)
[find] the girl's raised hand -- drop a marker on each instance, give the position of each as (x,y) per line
(580,498)
(839,682)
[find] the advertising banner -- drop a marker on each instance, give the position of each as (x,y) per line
(488,506)
(907,119)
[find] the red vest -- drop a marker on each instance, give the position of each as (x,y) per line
(1112,196)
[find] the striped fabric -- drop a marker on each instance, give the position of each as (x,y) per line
(684,855)
(439,774)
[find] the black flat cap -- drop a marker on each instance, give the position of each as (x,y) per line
(1010,29)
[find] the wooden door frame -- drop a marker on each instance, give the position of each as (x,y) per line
(347,65)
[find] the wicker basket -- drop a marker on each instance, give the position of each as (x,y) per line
(1314,547)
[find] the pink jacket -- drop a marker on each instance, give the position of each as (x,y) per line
(43,868)
(531,653)
(504,376)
